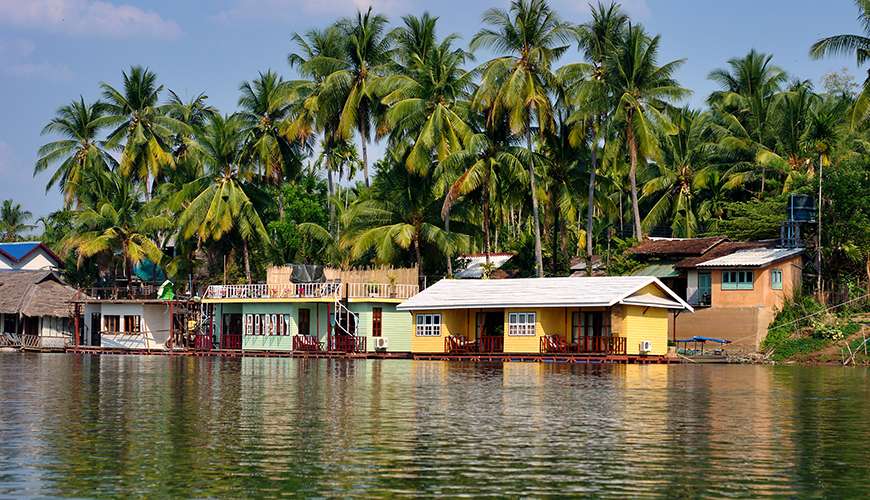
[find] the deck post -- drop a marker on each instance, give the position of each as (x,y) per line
(171,324)
(76,337)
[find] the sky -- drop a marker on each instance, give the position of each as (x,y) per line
(53,51)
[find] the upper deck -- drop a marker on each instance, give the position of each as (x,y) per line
(310,292)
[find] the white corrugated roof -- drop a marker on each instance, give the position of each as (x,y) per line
(752,257)
(650,300)
(534,292)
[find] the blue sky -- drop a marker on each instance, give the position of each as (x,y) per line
(52,51)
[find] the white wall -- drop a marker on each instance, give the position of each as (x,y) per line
(692,287)
(154,325)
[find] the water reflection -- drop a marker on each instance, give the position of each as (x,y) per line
(161,426)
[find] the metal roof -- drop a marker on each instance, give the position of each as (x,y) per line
(650,300)
(753,257)
(601,291)
(474,267)
(658,270)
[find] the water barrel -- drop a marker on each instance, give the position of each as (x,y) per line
(801,208)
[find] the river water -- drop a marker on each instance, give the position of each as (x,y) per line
(89,426)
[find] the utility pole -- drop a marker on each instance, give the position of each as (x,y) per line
(819,234)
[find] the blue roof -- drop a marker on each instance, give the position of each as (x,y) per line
(19,249)
(698,338)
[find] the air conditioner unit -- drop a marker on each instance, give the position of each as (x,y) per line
(381,343)
(645,346)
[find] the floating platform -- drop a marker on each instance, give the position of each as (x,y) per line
(475,357)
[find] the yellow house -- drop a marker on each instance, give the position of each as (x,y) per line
(612,315)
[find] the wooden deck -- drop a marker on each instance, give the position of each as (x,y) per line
(550,358)
(236,353)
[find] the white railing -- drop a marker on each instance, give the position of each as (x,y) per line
(264,291)
(381,291)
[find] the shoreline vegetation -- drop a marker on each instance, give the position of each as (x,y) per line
(540,136)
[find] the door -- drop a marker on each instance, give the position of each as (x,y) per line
(705,288)
(96,321)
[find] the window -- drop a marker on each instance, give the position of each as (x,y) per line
(377,321)
(10,323)
(591,324)
(112,323)
(737,280)
(776,279)
(304,321)
(132,323)
(428,325)
(522,324)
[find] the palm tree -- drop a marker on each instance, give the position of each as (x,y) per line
(316,108)
(221,200)
(116,224)
(848,44)
(681,174)
(367,52)
(265,104)
(517,84)
(79,151)
(744,111)
(427,97)
(643,90)
(397,217)
(13,220)
(597,38)
(142,124)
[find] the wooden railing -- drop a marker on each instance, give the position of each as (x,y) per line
(9,340)
(30,341)
(132,292)
(202,342)
(347,343)
(490,344)
(584,345)
(264,291)
(306,343)
(381,291)
(459,344)
(231,341)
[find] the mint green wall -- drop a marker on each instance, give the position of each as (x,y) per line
(396,325)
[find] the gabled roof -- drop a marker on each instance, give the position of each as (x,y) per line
(663,247)
(34,293)
(755,257)
(604,291)
(19,250)
(720,250)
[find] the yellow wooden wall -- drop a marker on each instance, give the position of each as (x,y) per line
(550,321)
(644,323)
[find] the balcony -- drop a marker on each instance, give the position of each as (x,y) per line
(459,344)
(264,291)
(555,344)
(381,291)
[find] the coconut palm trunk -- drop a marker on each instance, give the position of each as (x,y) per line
(590,209)
(365,160)
(331,186)
(246,255)
(539,259)
(632,175)
(486,219)
(819,235)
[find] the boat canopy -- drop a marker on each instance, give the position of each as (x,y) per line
(698,338)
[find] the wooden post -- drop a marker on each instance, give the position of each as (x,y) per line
(77,335)
(171,324)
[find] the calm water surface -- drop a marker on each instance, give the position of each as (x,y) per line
(157,426)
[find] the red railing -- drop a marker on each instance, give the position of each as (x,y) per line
(231,341)
(202,342)
(584,345)
(306,343)
(347,343)
(490,344)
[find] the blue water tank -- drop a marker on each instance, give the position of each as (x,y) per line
(801,208)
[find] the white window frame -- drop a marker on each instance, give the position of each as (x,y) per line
(428,325)
(776,284)
(522,324)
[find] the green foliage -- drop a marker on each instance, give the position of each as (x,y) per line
(620,262)
(304,202)
(754,219)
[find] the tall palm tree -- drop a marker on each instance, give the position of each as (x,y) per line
(221,200)
(368,50)
(643,90)
(80,150)
(427,97)
(596,38)
(531,36)
(681,174)
(398,217)
(142,124)
(744,109)
(850,44)
(316,108)
(264,105)
(13,220)
(116,224)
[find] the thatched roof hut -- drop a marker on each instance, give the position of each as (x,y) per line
(34,293)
